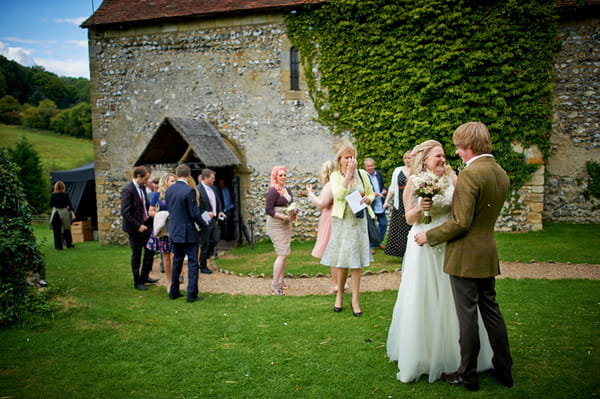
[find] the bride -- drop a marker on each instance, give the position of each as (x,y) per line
(423,335)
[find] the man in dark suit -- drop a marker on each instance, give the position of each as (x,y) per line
(184,217)
(226,198)
(377,205)
(471,257)
(211,208)
(137,224)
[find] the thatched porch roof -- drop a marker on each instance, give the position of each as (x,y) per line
(187,140)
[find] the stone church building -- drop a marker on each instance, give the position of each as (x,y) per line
(217,84)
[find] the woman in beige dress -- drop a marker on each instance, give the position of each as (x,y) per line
(279,224)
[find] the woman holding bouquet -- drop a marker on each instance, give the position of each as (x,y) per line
(348,247)
(279,224)
(423,335)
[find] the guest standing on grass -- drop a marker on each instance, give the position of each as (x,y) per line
(398,228)
(211,204)
(348,247)
(184,216)
(61,216)
(162,244)
(471,257)
(325,203)
(377,205)
(279,224)
(138,224)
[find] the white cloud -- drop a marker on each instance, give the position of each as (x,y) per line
(71,68)
(78,43)
(29,41)
(72,21)
(18,54)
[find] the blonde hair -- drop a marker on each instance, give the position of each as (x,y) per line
(326,170)
(190,180)
(421,152)
(340,148)
(162,184)
(473,135)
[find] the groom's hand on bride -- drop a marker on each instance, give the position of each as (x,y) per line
(421,238)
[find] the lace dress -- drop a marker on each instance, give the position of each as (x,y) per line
(423,335)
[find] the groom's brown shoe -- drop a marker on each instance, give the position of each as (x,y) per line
(458,380)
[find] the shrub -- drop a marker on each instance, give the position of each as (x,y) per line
(20,256)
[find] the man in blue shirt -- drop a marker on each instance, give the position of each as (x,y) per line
(377,205)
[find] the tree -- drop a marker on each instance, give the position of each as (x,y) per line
(30,174)
(20,255)
(10,110)
(39,117)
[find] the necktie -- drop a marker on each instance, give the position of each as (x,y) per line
(211,198)
(143,198)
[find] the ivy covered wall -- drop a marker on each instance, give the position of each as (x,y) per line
(395,73)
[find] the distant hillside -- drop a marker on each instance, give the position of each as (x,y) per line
(57,152)
(33,84)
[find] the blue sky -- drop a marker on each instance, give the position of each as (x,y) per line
(47,33)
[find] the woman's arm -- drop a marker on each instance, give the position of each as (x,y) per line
(324,200)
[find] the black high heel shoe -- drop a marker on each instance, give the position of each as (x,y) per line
(356,314)
(337,310)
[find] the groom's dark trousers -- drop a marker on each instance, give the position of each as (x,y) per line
(469,294)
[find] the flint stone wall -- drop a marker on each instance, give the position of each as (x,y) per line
(576,129)
(232,72)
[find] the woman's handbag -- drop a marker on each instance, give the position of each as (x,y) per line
(160,225)
(373,229)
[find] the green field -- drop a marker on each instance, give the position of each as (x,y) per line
(57,152)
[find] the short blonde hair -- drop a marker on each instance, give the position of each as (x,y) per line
(473,135)
(341,147)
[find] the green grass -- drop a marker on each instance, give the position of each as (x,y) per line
(107,340)
(557,242)
(57,152)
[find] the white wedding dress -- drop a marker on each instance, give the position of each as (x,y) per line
(423,335)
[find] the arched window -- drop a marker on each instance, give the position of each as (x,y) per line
(294,69)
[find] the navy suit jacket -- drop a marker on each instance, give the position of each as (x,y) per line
(183,212)
(132,209)
(205,201)
(379,178)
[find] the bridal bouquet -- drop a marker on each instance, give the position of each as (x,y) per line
(428,185)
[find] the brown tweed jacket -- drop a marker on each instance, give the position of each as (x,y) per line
(480,192)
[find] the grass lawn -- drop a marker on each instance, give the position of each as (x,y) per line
(107,340)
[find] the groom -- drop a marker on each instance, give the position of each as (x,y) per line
(471,258)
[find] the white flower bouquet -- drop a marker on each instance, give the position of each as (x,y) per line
(428,185)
